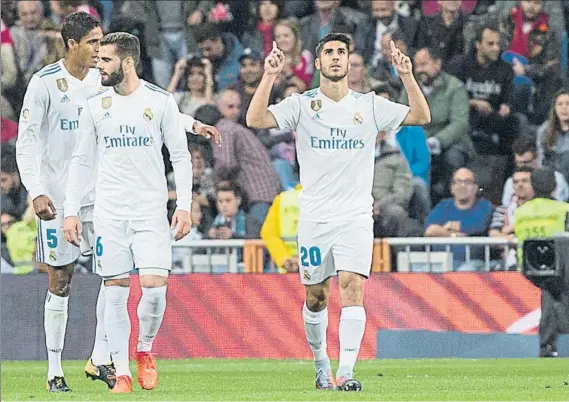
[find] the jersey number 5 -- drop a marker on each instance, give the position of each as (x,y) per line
(310,256)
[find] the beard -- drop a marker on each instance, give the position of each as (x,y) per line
(115,78)
(334,78)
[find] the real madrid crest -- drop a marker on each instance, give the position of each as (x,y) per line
(62,84)
(358,119)
(316,105)
(147,115)
(106,102)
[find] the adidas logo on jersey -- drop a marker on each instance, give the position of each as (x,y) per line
(65,99)
(107,115)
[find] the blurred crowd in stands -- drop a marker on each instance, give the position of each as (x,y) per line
(493,73)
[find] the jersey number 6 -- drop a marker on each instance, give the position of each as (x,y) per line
(310,256)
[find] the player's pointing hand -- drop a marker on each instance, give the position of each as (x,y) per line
(400,61)
(274,62)
(181,224)
(72,230)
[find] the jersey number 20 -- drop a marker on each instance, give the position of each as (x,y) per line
(310,256)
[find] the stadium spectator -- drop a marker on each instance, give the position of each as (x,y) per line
(9,131)
(223,50)
(14,195)
(299,62)
(250,73)
(359,79)
(443,30)
(199,84)
(392,189)
(7,220)
(553,135)
(260,37)
(21,239)
(525,154)
(29,43)
(386,17)
(6,110)
(9,65)
(280,229)
(502,223)
(329,17)
(230,15)
(447,134)
(228,102)
(412,142)
(383,70)
(178,253)
(230,221)
(533,49)
(463,215)
(243,160)
(493,125)
(55,48)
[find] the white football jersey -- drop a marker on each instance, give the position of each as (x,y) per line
(125,135)
(48,130)
(335,143)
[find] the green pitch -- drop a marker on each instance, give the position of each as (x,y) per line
(453,380)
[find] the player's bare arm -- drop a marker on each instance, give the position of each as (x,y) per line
(419,112)
(258,115)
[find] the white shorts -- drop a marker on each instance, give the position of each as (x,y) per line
(123,245)
(53,249)
(326,248)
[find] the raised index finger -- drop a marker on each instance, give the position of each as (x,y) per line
(393,47)
(275,45)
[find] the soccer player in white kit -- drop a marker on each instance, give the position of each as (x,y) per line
(336,129)
(123,128)
(48,129)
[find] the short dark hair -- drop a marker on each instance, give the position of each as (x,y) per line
(76,26)
(524,144)
(491,26)
(523,169)
(127,45)
(384,87)
(208,114)
(543,182)
(227,185)
(332,37)
(434,53)
(207,31)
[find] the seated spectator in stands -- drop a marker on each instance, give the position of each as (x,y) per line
(553,135)
(243,159)
(359,79)
(55,48)
(14,195)
(228,101)
(250,73)
(260,37)
(29,43)
(533,47)
(392,189)
(493,125)
(502,224)
(197,74)
(443,30)
(412,142)
(21,239)
(447,134)
(463,215)
(178,253)
(383,71)
(280,229)
(299,63)
(230,221)
(384,17)
(9,66)
(525,154)
(223,50)
(9,131)
(328,18)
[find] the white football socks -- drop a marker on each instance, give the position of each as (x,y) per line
(117,325)
(315,325)
(55,324)
(101,354)
(150,311)
(352,327)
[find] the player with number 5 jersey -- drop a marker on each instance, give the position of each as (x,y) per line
(336,129)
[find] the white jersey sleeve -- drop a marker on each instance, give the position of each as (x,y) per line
(388,115)
(82,164)
(34,109)
(188,123)
(287,112)
(174,134)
